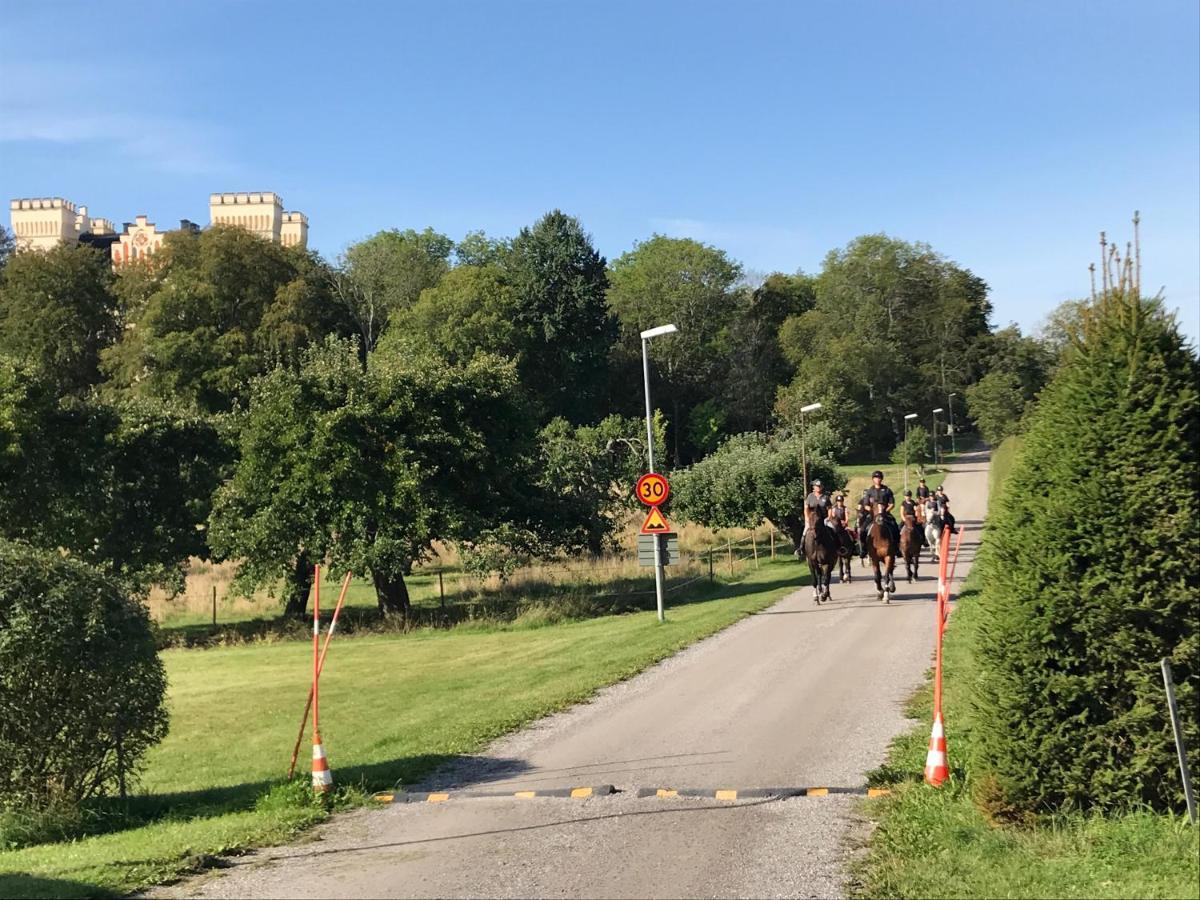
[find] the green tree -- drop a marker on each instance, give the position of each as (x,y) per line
(470,310)
(996,403)
(751,477)
(565,327)
(757,364)
(916,449)
(82,690)
(212,310)
(1090,576)
(58,310)
(368,467)
(690,284)
(7,245)
(892,331)
(126,488)
(479,250)
(385,274)
(587,474)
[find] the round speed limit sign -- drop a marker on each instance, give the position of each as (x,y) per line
(653,489)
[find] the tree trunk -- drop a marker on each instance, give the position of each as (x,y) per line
(790,526)
(301,584)
(392,594)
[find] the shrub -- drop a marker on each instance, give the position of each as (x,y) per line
(81,687)
(1090,576)
(920,449)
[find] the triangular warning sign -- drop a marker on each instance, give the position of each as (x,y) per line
(655,523)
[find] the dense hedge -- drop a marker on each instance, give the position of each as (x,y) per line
(81,687)
(1090,577)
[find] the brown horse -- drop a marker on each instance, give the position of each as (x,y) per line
(821,551)
(881,547)
(847,548)
(910,547)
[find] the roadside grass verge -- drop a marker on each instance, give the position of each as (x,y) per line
(393,708)
(935,842)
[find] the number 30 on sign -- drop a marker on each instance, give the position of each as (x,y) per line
(652,489)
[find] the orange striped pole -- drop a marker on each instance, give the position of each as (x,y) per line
(320,668)
(322,778)
(937,768)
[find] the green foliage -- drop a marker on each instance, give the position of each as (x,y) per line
(371,466)
(211,310)
(690,284)
(750,478)
(1090,576)
(917,450)
(997,403)
(81,687)
(587,473)
(470,310)
(58,311)
(124,487)
(561,316)
(892,331)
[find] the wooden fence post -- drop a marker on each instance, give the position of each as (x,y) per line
(710,564)
(754,544)
(772,542)
(214,605)
(729,551)
(442,588)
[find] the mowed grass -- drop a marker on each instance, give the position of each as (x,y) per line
(393,708)
(935,842)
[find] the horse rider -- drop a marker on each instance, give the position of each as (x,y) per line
(839,513)
(816,505)
(908,507)
(880,495)
(947,516)
(923,492)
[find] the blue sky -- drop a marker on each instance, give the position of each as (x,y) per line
(1004,134)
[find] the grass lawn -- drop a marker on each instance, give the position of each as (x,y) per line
(934,842)
(393,707)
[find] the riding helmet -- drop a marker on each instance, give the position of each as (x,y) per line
(816,482)
(908,493)
(876,474)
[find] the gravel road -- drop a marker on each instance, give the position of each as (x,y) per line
(795,696)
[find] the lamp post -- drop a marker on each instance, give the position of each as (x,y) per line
(907,419)
(953,440)
(935,435)
(812,407)
(647,336)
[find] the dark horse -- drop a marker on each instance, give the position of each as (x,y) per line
(846,547)
(821,551)
(881,547)
(910,547)
(864,528)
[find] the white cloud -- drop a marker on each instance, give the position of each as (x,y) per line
(40,105)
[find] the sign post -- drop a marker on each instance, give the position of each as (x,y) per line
(652,490)
(647,336)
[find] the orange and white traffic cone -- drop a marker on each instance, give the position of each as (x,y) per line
(322,778)
(937,768)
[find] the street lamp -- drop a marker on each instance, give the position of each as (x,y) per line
(907,419)
(953,441)
(935,441)
(646,338)
(812,407)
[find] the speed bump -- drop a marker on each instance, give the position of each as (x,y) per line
(577,793)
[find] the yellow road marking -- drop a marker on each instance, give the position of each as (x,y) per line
(437,798)
(663,792)
(525,795)
(817,792)
(878,792)
(726,795)
(581,792)
(383,798)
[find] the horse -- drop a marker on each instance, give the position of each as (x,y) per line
(933,531)
(864,526)
(882,550)
(821,551)
(846,547)
(910,547)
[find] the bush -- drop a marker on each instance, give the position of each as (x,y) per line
(81,687)
(1090,577)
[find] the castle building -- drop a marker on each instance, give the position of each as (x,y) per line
(39,223)
(43,223)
